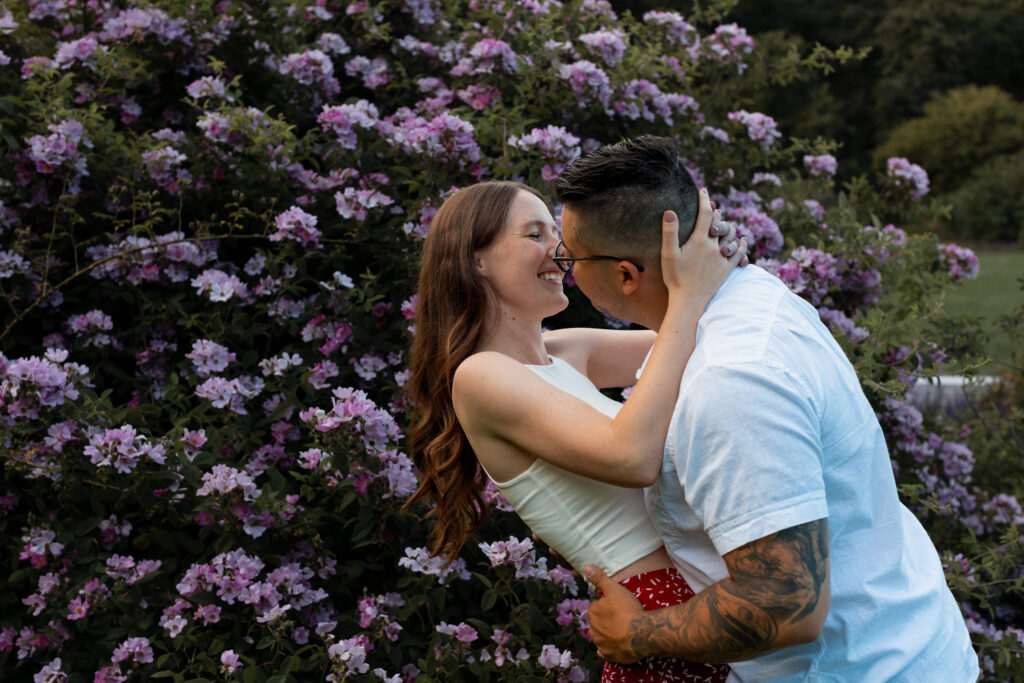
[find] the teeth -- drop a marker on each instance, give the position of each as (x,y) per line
(554,277)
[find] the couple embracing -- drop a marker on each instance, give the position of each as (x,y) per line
(738,513)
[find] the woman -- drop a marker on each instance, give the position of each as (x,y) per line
(497,397)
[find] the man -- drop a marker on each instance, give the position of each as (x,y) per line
(776,497)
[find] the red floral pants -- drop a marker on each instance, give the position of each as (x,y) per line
(662,588)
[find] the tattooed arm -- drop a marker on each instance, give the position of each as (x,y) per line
(776,595)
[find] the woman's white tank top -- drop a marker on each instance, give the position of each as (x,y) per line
(586,521)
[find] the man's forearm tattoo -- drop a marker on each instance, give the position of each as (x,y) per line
(774,582)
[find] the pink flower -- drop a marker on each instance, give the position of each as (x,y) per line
(907,175)
(77,609)
(229,662)
(822,164)
(137,649)
(295,224)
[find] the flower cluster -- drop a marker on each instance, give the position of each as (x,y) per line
(123,448)
(728,45)
(60,150)
(639,98)
(589,83)
(311,67)
(760,127)
(92,327)
(295,224)
(557,147)
(345,120)
(961,261)
(445,137)
(907,175)
(28,385)
(608,45)
(821,164)
(677,29)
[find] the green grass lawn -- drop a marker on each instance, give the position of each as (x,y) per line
(995,293)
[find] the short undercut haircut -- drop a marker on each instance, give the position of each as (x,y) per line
(619,193)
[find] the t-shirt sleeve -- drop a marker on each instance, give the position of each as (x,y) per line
(747,446)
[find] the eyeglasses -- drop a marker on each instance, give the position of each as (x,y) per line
(565,261)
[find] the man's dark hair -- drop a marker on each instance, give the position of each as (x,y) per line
(619,193)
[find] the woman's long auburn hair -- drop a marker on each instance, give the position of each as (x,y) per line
(451,315)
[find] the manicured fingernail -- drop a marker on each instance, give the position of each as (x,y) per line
(670,217)
(588,570)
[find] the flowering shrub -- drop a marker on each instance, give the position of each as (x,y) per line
(210,217)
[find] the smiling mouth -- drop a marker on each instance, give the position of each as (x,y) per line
(551,277)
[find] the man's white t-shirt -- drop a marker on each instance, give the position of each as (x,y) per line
(772,430)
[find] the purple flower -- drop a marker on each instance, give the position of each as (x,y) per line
(28,384)
(519,554)
(208,86)
(32,64)
(677,29)
(163,165)
(345,118)
(333,43)
(642,99)
(7,22)
(210,614)
(421,561)
(608,45)
(209,357)
(551,657)
(485,57)
(446,137)
(907,175)
(760,127)
(961,261)
(278,365)
(353,203)
(77,608)
(766,178)
(727,45)
(218,285)
(822,164)
(123,449)
(51,673)
(94,326)
(416,46)
(295,224)
(349,656)
(229,662)
(224,479)
(373,72)
(136,648)
(424,12)
(479,97)
(60,149)
(224,393)
(588,82)
(81,50)
(11,264)
(463,632)
(131,23)
(312,67)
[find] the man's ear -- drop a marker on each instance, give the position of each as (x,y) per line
(628,276)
